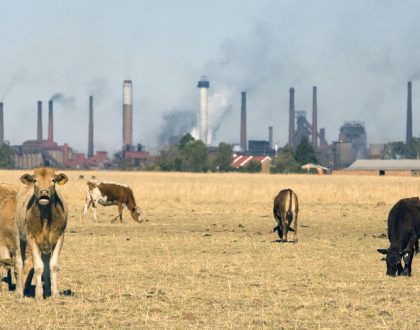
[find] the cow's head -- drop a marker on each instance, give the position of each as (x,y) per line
(135,214)
(393,261)
(43,181)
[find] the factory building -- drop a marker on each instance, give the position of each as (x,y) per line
(46,152)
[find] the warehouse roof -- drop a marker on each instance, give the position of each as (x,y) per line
(385,164)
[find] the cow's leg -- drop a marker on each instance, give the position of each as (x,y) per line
(94,212)
(18,264)
(28,267)
(408,258)
(119,215)
(285,226)
(54,266)
(87,205)
(38,267)
(46,274)
(120,210)
(5,273)
(295,237)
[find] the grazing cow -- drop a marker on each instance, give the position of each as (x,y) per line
(41,217)
(110,193)
(403,234)
(9,237)
(285,210)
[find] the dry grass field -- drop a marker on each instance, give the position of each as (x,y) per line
(205,258)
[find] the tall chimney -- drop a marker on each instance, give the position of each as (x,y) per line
(50,122)
(314,119)
(127,113)
(90,137)
(322,140)
(409,117)
(203,85)
(1,125)
(270,137)
(292,117)
(243,121)
(39,128)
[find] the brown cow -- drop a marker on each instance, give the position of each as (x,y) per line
(111,193)
(285,210)
(41,217)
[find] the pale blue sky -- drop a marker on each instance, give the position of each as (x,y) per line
(359,53)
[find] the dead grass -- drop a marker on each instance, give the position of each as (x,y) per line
(205,258)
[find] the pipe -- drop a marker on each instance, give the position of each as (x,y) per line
(39,127)
(243,122)
(90,129)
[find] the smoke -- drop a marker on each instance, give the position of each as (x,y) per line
(16,77)
(176,124)
(220,103)
(99,89)
(67,101)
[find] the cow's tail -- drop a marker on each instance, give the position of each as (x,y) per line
(289,213)
(416,246)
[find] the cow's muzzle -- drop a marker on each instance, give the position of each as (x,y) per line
(44,197)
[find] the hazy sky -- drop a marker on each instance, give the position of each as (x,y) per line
(360,54)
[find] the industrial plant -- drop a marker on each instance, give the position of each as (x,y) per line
(351,143)
(41,151)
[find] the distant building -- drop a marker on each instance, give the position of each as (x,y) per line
(394,167)
(241,161)
(260,148)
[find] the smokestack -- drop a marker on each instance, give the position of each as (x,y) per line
(292,117)
(270,137)
(90,133)
(322,140)
(314,119)
(127,113)
(39,128)
(409,116)
(243,121)
(203,85)
(50,122)
(1,125)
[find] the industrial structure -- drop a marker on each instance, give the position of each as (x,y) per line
(203,85)
(291,118)
(33,153)
(409,130)
(243,121)
(127,114)
(299,126)
(90,128)
(1,124)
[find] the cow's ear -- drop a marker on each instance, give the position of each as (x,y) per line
(27,179)
(383,251)
(61,178)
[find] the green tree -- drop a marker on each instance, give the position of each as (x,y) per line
(394,150)
(285,162)
(6,156)
(170,160)
(415,147)
(224,157)
(305,152)
(195,157)
(185,140)
(253,167)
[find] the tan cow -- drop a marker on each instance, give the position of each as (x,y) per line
(41,217)
(285,210)
(9,237)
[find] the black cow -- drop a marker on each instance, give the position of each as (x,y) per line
(403,234)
